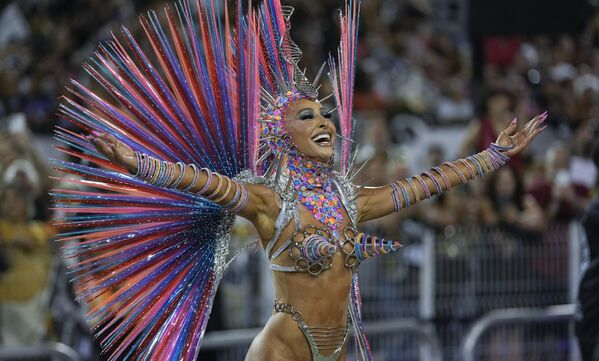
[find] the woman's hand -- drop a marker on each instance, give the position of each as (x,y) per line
(519,139)
(115,150)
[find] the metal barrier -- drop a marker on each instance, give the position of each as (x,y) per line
(52,350)
(220,340)
(512,316)
(447,280)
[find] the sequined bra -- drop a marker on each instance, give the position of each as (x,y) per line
(311,249)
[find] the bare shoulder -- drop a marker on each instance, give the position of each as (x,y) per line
(268,200)
(263,209)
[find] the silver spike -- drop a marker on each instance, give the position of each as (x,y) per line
(289,188)
(267,96)
(282,86)
(270,137)
(272,166)
(344,138)
(265,121)
(319,75)
(351,179)
(279,168)
(266,93)
(264,156)
(331,111)
(360,187)
(326,98)
(352,162)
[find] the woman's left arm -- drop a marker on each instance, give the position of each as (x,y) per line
(375,202)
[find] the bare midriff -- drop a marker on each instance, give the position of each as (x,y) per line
(322,300)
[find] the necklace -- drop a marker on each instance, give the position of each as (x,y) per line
(312,181)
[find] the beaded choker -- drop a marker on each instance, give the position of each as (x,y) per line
(311,180)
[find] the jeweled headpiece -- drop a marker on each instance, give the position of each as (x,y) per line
(284,82)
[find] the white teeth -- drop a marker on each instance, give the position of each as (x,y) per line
(320,137)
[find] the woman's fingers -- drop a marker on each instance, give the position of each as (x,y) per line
(536,121)
(104,147)
(511,129)
(110,138)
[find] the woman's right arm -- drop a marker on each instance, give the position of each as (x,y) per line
(253,202)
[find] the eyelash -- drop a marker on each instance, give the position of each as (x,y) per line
(326,114)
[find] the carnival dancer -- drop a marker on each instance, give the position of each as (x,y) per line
(219,123)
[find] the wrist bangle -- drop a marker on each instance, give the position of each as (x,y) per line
(477,165)
(179,179)
(156,171)
(435,182)
(226,192)
(196,174)
(457,171)
(414,189)
(495,159)
(164,168)
(482,163)
(219,185)
(235,198)
(208,181)
(394,191)
(138,159)
(486,155)
(443,177)
(468,166)
(242,202)
(404,191)
(427,191)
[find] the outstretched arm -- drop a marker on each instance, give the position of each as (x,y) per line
(249,201)
(375,202)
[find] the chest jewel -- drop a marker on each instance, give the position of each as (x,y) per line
(312,182)
(312,249)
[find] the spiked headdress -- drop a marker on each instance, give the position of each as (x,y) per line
(148,259)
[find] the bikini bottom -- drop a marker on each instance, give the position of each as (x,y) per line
(320,339)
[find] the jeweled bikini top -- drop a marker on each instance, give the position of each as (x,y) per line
(312,248)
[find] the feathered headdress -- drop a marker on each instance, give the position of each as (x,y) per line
(147,259)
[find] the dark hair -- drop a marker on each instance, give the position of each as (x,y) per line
(518,196)
(491,93)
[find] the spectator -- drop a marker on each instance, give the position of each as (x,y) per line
(587,327)
(513,209)
(25,245)
(455,106)
(562,198)
(496,112)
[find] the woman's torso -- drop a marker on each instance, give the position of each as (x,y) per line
(322,299)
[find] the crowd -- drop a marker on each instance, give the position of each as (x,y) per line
(414,79)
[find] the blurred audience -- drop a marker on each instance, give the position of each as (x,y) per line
(413,78)
(25,250)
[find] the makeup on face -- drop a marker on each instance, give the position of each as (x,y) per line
(311,130)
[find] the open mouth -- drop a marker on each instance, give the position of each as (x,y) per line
(322,139)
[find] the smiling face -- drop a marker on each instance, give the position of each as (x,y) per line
(311,129)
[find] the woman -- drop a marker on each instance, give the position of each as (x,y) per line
(304,211)
(306,120)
